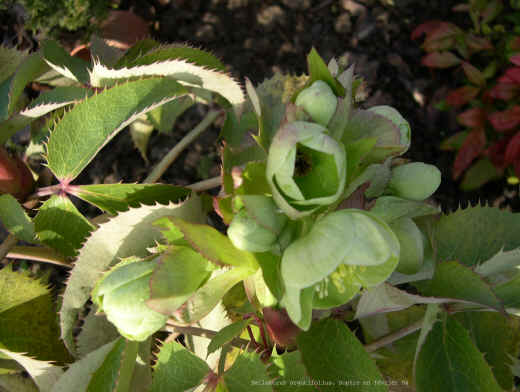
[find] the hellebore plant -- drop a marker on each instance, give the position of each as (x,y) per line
(328,226)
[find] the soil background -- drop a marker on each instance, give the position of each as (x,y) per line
(257,38)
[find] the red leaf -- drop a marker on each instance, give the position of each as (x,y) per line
(513,74)
(440,60)
(425,28)
(472,118)
(505,120)
(441,38)
(476,43)
(472,147)
(496,153)
(512,154)
(461,96)
(515,59)
(473,74)
(491,11)
(514,44)
(504,91)
(15,177)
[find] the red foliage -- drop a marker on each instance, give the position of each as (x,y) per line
(496,153)
(472,118)
(512,154)
(15,178)
(473,146)
(515,59)
(505,120)
(461,96)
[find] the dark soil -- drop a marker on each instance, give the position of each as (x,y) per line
(256,38)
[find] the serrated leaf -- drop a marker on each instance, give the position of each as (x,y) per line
(498,338)
(45,103)
(71,67)
(182,70)
(290,368)
(387,298)
(27,317)
(454,280)
(115,373)
(328,350)
(509,292)
(176,369)
(14,218)
(459,366)
(96,331)
(499,263)
(178,275)
(113,198)
(95,121)
(128,234)
(139,49)
(10,59)
(61,226)
(226,334)
(390,208)
(214,246)
(475,234)
(79,374)
(44,374)
(247,371)
(140,131)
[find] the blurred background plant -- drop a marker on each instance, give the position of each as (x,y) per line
(486,56)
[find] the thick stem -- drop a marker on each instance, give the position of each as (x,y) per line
(46,191)
(386,340)
(169,158)
(7,245)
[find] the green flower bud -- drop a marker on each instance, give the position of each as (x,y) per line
(306,168)
(256,227)
(121,294)
(414,181)
(319,102)
(412,246)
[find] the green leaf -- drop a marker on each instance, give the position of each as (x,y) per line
(96,331)
(115,373)
(78,375)
(140,131)
(61,226)
(475,234)
(137,50)
(479,174)
(459,365)
(509,292)
(290,368)
(113,198)
(17,382)
(390,208)
(247,373)
(499,263)
(393,115)
(164,117)
(180,272)
(27,317)
(10,59)
(328,350)
(498,338)
(318,70)
(210,294)
(177,369)
(377,175)
(227,334)
(90,125)
(14,218)
(44,374)
(454,280)
(298,304)
(127,234)
(214,246)
(71,67)
(45,103)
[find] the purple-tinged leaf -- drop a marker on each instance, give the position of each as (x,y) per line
(472,118)
(461,96)
(505,120)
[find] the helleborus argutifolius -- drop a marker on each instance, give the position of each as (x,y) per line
(306,168)
(258,224)
(319,102)
(412,245)
(414,181)
(122,294)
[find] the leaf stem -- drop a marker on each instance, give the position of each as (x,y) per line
(38,253)
(46,191)
(7,245)
(401,333)
(204,185)
(169,158)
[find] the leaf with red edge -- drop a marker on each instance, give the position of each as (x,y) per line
(504,90)
(514,44)
(505,120)
(515,59)
(476,43)
(472,118)
(461,96)
(473,74)
(513,150)
(496,153)
(513,74)
(441,38)
(440,60)
(472,147)
(425,28)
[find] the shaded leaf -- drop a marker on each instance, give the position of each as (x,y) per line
(71,67)
(473,146)
(247,371)
(227,334)
(390,208)
(473,74)
(461,96)
(14,218)
(513,150)
(472,118)
(505,120)
(440,60)
(480,173)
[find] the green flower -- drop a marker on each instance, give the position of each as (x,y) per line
(319,102)
(306,168)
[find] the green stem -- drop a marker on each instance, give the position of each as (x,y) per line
(7,245)
(205,184)
(388,339)
(169,158)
